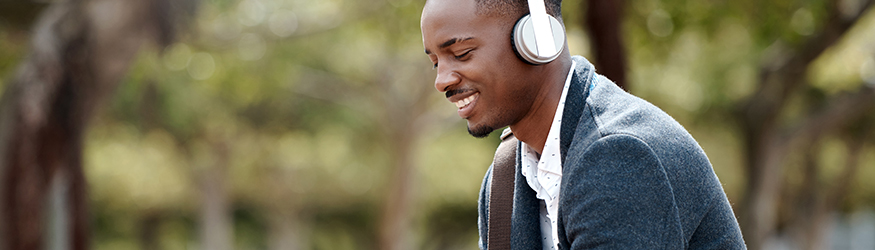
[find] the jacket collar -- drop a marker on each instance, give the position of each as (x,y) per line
(575,101)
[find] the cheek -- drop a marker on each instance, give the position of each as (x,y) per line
(513,78)
(503,64)
(513,92)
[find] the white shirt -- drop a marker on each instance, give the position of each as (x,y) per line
(544,173)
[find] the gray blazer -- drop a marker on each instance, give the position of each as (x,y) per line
(632,178)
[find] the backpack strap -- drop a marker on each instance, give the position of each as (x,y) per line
(501,192)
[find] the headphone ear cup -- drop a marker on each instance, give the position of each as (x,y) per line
(514,44)
(522,39)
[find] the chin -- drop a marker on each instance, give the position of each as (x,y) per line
(480,131)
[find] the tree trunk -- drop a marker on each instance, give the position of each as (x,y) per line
(759,214)
(285,232)
(396,211)
(404,116)
(81,49)
(217,228)
(149,225)
(604,19)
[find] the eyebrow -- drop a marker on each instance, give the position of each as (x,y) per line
(450,42)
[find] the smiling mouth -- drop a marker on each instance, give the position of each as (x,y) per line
(464,102)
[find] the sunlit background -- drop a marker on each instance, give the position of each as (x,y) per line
(303,124)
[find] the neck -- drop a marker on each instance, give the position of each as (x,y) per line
(535,125)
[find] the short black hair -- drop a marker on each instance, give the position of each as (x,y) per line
(515,8)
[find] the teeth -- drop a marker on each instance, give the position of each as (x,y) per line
(464,102)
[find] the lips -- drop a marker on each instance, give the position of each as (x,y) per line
(464,101)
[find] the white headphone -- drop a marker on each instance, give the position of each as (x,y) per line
(538,38)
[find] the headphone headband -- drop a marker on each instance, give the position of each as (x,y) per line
(541,24)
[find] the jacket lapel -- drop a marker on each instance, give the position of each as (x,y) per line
(575,102)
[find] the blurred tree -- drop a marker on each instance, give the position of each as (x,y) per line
(393,99)
(603,20)
(768,140)
(816,196)
(296,124)
(216,227)
(80,51)
(20,14)
(301,99)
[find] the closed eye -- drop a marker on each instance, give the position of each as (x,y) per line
(460,57)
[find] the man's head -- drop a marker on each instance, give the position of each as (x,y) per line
(469,41)
(516,8)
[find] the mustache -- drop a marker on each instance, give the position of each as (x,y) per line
(453,92)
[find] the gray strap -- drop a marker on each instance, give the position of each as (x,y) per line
(501,193)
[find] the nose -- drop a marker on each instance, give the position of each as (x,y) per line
(445,78)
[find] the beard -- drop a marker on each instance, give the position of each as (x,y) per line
(501,116)
(480,132)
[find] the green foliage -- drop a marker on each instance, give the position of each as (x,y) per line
(306,98)
(12,49)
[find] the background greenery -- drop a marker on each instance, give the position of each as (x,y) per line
(308,109)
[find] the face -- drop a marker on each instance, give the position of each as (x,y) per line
(476,66)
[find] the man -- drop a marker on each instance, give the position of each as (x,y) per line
(596,166)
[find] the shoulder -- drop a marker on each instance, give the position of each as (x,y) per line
(616,111)
(612,111)
(617,127)
(617,157)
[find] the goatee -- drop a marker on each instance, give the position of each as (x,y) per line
(480,132)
